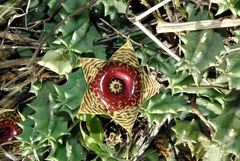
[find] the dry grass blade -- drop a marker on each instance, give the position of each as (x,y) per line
(163,27)
(137,21)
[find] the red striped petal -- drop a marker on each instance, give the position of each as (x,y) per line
(126,55)
(126,117)
(90,67)
(150,87)
(90,105)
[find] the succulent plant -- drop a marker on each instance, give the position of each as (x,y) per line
(118,87)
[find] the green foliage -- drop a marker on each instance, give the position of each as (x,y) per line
(70,94)
(7,11)
(192,134)
(228,131)
(200,48)
(224,5)
(111,10)
(164,106)
(71,149)
(57,62)
(94,141)
(47,125)
(46,116)
(208,69)
(204,53)
(75,36)
(151,155)
(228,68)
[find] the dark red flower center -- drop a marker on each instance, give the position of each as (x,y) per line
(117,86)
(8,127)
(7,132)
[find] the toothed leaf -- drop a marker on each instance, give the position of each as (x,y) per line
(48,121)
(200,50)
(224,5)
(229,68)
(228,130)
(71,149)
(56,61)
(71,93)
(163,106)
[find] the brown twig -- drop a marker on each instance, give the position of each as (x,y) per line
(10,95)
(196,111)
(15,62)
(209,87)
(21,75)
(16,38)
(145,140)
(114,35)
(126,37)
(118,32)
(14,47)
(8,76)
(5,100)
(17,99)
(6,53)
(127,8)
(170,140)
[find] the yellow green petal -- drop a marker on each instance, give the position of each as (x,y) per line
(150,86)
(125,117)
(126,54)
(90,104)
(90,67)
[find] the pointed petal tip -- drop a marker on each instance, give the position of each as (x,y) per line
(90,105)
(125,117)
(126,54)
(150,87)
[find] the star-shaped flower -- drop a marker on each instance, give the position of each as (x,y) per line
(118,87)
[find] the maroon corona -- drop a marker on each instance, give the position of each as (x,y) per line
(117,86)
(8,127)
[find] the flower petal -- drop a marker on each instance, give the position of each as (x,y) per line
(90,67)
(90,105)
(125,117)
(126,54)
(149,87)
